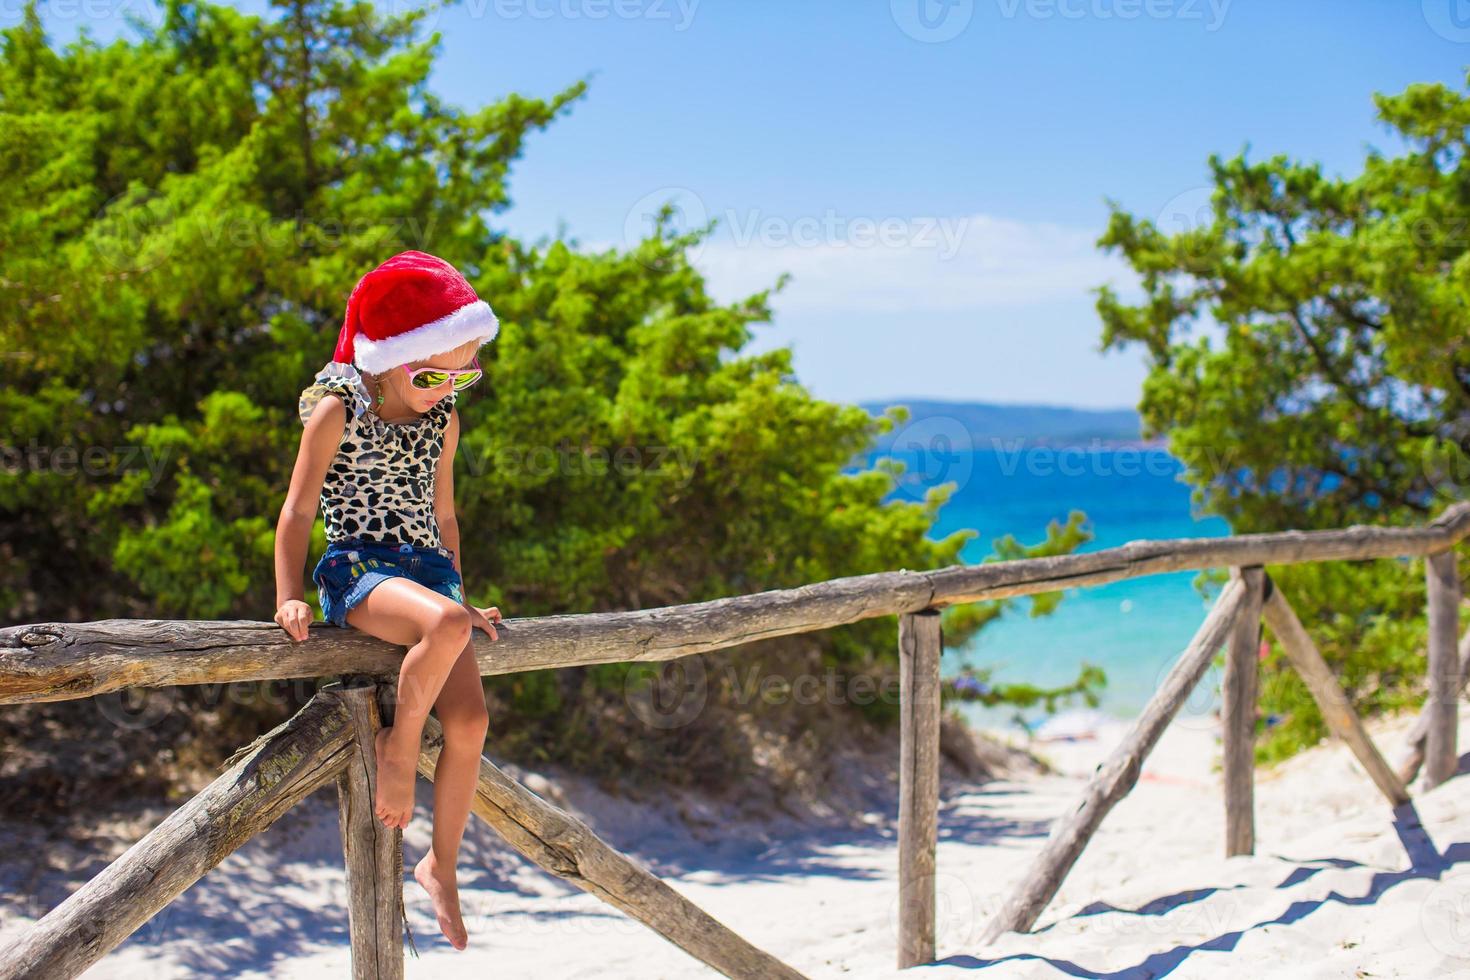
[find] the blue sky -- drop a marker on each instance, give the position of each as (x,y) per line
(932,174)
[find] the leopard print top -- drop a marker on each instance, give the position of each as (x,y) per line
(380,485)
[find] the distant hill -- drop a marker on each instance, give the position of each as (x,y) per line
(1045,424)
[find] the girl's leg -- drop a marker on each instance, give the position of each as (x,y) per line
(435,629)
(461,711)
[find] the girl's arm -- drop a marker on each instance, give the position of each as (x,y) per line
(319,443)
(448,522)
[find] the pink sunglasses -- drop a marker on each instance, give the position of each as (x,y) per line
(428,378)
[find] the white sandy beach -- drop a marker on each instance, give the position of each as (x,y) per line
(1331,891)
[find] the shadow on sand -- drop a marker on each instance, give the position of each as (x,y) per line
(1425,862)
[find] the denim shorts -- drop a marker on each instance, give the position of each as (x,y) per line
(350,568)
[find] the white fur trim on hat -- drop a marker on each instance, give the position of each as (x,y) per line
(475,321)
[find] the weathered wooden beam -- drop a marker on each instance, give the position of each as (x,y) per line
(263,781)
(1413,756)
(562,845)
(372,853)
(1116,775)
(920,643)
(60,661)
(1240,687)
(1337,710)
(1441,755)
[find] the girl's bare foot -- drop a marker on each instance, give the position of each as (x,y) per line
(396,769)
(444,891)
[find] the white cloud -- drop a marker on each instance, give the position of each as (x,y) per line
(976,262)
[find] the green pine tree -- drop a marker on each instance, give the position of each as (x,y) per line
(1341,391)
(184,218)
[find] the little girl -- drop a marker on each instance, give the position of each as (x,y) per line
(378,447)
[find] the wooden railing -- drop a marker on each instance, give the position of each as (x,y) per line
(331,737)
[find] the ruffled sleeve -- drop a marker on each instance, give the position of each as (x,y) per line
(337,379)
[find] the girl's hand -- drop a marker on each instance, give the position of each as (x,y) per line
(294,616)
(482,619)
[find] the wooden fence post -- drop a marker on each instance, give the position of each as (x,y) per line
(920,643)
(372,853)
(1413,755)
(1443,581)
(1238,715)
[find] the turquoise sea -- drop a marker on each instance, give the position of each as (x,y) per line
(1133,629)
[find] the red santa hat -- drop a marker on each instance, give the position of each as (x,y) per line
(411,307)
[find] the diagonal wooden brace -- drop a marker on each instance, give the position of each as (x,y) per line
(566,847)
(1117,774)
(1336,709)
(264,780)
